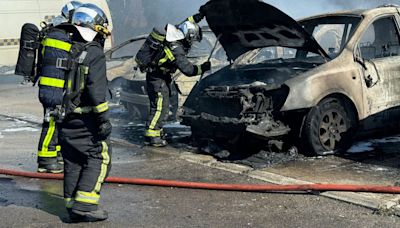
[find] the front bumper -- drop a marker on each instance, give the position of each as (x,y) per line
(229,111)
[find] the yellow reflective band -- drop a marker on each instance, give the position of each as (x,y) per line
(58,148)
(169,54)
(87,197)
(48,42)
(199,71)
(45,153)
(69,84)
(83,110)
(104,167)
(101,108)
(191,19)
(157,36)
(69,202)
(52,82)
(158,112)
(163,60)
(153,133)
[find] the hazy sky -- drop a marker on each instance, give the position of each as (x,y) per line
(302,8)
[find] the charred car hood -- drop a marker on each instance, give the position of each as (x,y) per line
(244,25)
(249,76)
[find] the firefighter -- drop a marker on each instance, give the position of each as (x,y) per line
(179,40)
(86,129)
(50,94)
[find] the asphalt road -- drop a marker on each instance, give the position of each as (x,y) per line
(39,203)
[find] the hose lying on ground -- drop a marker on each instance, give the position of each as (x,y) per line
(224,187)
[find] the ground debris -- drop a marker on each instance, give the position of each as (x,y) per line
(259,160)
(265,159)
(389,209)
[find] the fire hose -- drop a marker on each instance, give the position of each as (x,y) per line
(224,187)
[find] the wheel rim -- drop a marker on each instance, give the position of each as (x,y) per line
(331,128)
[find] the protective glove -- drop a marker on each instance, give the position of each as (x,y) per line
(205,66)
(202,10)
(104,130)
(198,17)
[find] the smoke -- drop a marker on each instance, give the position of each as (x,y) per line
(299,9)
(136,17)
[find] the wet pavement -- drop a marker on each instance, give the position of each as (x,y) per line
(39,203)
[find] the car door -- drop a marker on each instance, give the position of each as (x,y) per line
(379,49)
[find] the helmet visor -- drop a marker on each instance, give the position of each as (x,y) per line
(83,19)
(191,31)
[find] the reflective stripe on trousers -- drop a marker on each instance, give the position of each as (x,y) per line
(151,132)
(44,151)
(94,196)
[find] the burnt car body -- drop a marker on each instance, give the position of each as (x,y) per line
(314,83)
(128,84)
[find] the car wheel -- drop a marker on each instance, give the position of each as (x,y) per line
(328,128)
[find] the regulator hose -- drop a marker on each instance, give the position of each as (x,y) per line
(224,187)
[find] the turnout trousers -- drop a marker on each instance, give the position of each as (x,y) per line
(87,162)
(48,148)
(158,91)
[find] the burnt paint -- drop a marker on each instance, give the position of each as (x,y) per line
(268,74)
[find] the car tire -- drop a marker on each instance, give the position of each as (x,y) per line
(328,128)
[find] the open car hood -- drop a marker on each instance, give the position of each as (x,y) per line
(244,25)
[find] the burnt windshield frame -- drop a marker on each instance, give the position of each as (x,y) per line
(310,24)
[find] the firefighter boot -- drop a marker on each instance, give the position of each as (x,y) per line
(158,142)
(51,168)
(155,141)
(87,216)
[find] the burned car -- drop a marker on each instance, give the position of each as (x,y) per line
(312,83)
(129,84)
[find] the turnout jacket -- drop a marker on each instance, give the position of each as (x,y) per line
(173,60)
(174,57)
(93,97)
(181,61)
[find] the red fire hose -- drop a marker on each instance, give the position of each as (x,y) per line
(225,187)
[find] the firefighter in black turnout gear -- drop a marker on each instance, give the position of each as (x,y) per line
(172,45)
(51,45)
(86,129)
(55,45)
